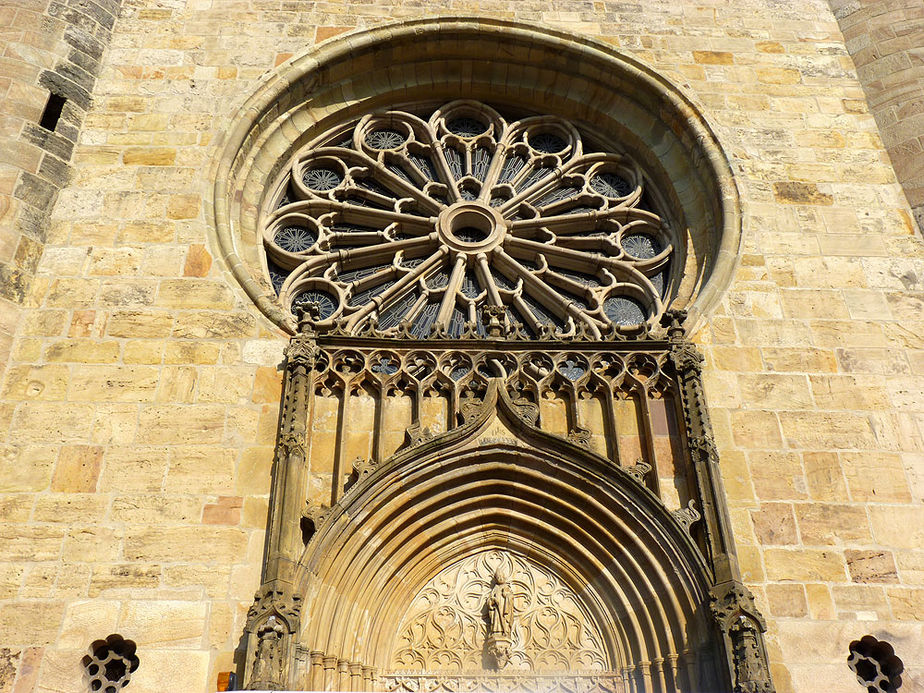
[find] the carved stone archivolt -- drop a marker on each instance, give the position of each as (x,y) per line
(497,610)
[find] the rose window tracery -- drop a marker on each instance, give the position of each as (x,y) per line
(420,224)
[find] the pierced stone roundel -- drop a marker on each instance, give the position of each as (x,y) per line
(417,220)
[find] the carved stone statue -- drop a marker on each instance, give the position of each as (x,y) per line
(267,669)
(499,613)
(500,605)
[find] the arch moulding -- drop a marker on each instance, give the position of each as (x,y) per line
(437,60)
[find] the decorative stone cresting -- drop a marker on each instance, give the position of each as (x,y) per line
(425,217)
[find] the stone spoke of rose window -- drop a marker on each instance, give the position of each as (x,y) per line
(419,220)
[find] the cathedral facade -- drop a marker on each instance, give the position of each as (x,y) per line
(501,345)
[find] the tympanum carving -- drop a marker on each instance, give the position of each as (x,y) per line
(498,610)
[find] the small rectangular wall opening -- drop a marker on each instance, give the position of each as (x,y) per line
(52,112)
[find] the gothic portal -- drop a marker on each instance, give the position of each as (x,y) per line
(494,466)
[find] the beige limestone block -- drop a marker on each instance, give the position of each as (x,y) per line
(26,468)
(213,324)
(129,469)
(777,475)
(84,621)
(114,384)
(786,600)
(36,383)
(83,351)
(194,424)
(911,567)
(907,603)
(72,293)
(45,323)
(140,509)
(187,207)
(752,569)
(876,477)
(169,669)
(67,508)
(263,352)
(29,622)
(774,523)
(202,469)
(821,604)
(61,671)
(254,471)
(115,424)
(255,513)
(267,385)
(77,470)
(898,526)
(213,581)
(224,384)
(872,360)
(768,391)
(756,429)
(51,421)
(194,293)
(855,392)
(143,351)
(139,324)
(860,602)
(827,430)
(11,577)
(221,625)
(805,565)
(16,507)
(871,566)
(196,353)
(824,524)
(178,544)
(177,384)
(739,359)
(174,624)
(127,578)
(824,476)
(115,261)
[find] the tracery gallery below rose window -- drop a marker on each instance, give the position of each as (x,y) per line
(418,224)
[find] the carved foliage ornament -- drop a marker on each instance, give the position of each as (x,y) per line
(415,221)
(459,620)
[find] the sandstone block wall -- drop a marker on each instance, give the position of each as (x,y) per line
(885,38)
(139,399)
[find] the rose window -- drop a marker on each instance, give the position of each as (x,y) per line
(419,224)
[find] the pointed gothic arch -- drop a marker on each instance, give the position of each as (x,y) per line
(640,576)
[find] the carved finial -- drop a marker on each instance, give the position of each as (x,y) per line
(639,470)
(307,313)
(495,320)
(673,320)
(415,434)
(687,516)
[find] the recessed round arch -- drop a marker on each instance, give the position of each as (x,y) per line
(547,71)
(613,544)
